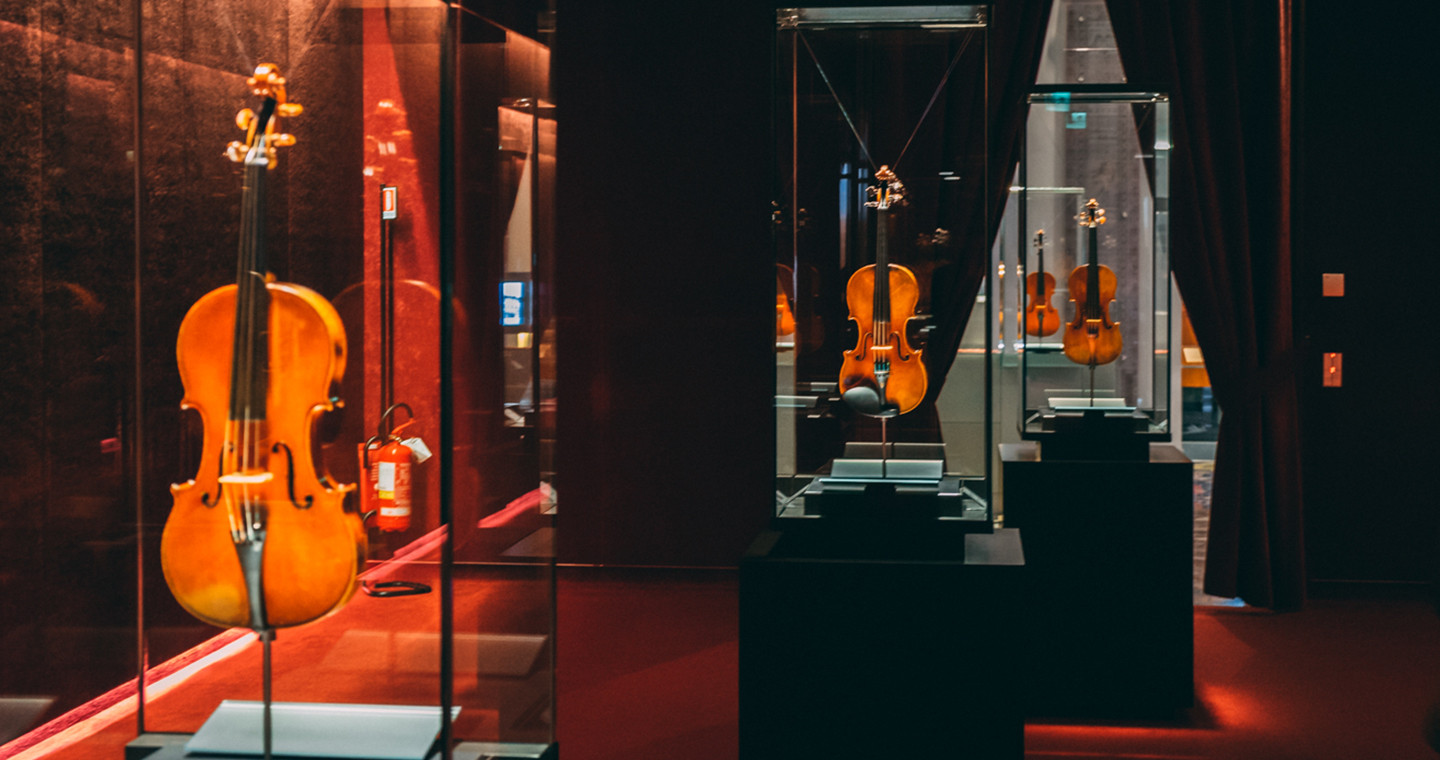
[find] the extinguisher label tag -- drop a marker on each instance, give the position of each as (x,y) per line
(417,448)
(386,479)
(394,511)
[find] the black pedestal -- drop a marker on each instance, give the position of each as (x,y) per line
(853,646)
(1109,627)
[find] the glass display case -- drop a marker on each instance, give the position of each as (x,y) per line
(409,208)
(1092,307)
(882,397)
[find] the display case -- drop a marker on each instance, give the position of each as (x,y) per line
(882,396)
(416,204)
(1091,315)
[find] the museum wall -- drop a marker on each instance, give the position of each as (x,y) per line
(666,430)
(1366,161)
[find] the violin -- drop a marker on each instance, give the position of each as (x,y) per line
(1040,317)
(260,537)
(1091,338)
(882,298)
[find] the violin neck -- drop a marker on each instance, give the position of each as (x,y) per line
(1092,282)
(250,355)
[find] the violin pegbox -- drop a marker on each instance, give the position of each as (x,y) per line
(268,84)
(1039,239)
(888,193)
(1092,215)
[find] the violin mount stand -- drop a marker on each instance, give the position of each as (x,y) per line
(234,730)
(1093,429)
(884,482)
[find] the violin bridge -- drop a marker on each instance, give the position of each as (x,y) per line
(247,479)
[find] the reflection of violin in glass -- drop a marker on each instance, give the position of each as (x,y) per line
(1091,338)
(784,298)
(260,537)
(883,376)
(1040,317)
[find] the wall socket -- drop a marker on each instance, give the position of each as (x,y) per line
(1332,285)
(1332,370)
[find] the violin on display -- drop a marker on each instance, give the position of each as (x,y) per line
(260,537)
(883,376)
(1091,338)
(1040,317)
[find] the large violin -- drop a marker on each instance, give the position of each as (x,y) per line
(1091,338)
(259,537)
(882,298)
(1040,317)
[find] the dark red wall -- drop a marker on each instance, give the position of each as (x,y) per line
(666,427)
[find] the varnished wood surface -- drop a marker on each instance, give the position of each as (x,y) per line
(907,382)
(311,554)
(1041,318)
(1092,338)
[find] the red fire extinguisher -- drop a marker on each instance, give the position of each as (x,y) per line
(388,472)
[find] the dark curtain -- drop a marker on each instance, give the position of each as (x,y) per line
(1226,66)
(1017,35)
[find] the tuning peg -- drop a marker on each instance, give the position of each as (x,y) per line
(235,151)
(289,109)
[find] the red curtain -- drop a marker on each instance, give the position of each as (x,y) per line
(1226,67)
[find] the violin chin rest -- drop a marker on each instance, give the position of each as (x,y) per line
(866,400)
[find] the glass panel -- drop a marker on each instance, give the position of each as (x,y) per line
(368,79)
(67,529)
(504,497)
(1111,146)
(858,90)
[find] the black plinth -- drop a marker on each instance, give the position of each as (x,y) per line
(855,647)
(1109,626)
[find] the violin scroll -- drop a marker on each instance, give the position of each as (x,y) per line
(266,83)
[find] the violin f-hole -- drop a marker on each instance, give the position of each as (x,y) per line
(290,475)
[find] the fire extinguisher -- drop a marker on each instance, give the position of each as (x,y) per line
(387,461)
(392,463)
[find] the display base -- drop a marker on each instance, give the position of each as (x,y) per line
(893,486)
(1092,434)
(1109,625)
(171,746)
(852,645)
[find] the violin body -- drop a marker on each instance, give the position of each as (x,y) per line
(313,548)
(1040,317)
(1091,338)
(883,336)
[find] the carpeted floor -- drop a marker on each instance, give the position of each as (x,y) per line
(647,669)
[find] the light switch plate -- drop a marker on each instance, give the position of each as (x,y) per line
(1332,370)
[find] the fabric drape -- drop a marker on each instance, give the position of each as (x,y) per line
(1225,65)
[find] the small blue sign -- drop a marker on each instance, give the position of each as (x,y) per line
(512,303)
(1077,120)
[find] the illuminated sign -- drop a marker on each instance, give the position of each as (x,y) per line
(512,303)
